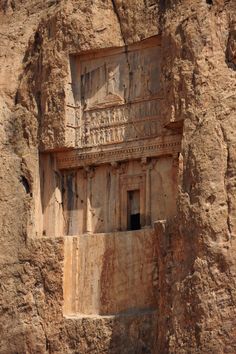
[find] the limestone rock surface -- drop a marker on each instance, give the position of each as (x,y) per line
(196,249)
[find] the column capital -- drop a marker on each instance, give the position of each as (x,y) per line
(147,164)
(144,161)
(89,171)
(175,159)
(121,168)
(115,166)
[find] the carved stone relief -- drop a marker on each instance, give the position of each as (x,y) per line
(152,147)
(123,123)
(116,94)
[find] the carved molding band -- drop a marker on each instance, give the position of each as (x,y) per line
(156,147)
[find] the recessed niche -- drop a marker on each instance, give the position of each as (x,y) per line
(104,195)
(113,94)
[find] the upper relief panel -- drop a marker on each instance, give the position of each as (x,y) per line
(122,76)
(77,27)
(114,95)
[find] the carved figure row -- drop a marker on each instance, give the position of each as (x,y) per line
(100,136)
(115,115)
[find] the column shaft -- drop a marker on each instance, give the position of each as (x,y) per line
(88,203)
(148,196)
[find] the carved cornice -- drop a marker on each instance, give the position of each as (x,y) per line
(155,147)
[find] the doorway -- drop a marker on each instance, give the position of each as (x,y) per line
(133,210)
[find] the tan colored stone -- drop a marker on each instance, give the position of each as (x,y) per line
(195,310)
(107,274)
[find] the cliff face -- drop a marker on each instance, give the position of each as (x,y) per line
(199,269)
(196,250)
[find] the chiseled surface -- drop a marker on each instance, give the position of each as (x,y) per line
(124,334)
(110,273)
(196,252)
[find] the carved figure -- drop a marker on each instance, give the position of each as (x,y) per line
(113,117)
(111,135)
(93,119)
(92,138)
(106,135)
(116,134)
(111,81)
(102,137)
(96,137)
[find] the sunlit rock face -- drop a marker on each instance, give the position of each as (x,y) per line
(117,176)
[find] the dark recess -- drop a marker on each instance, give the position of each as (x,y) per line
(135,222)
(25,184)
(230,54)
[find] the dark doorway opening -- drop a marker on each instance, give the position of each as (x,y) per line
(133,210)
(134,221)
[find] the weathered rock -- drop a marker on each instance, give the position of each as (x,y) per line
(197,259)
(196,296)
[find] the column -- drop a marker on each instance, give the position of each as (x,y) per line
(148,195)
(116,222)
(147,166)
(89,176)
(177,164)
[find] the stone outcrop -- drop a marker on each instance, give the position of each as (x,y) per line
(184,296)
(198,260)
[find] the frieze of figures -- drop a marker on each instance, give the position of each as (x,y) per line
(118,133)
(120,114)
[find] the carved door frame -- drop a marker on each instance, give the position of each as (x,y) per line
(129,183)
